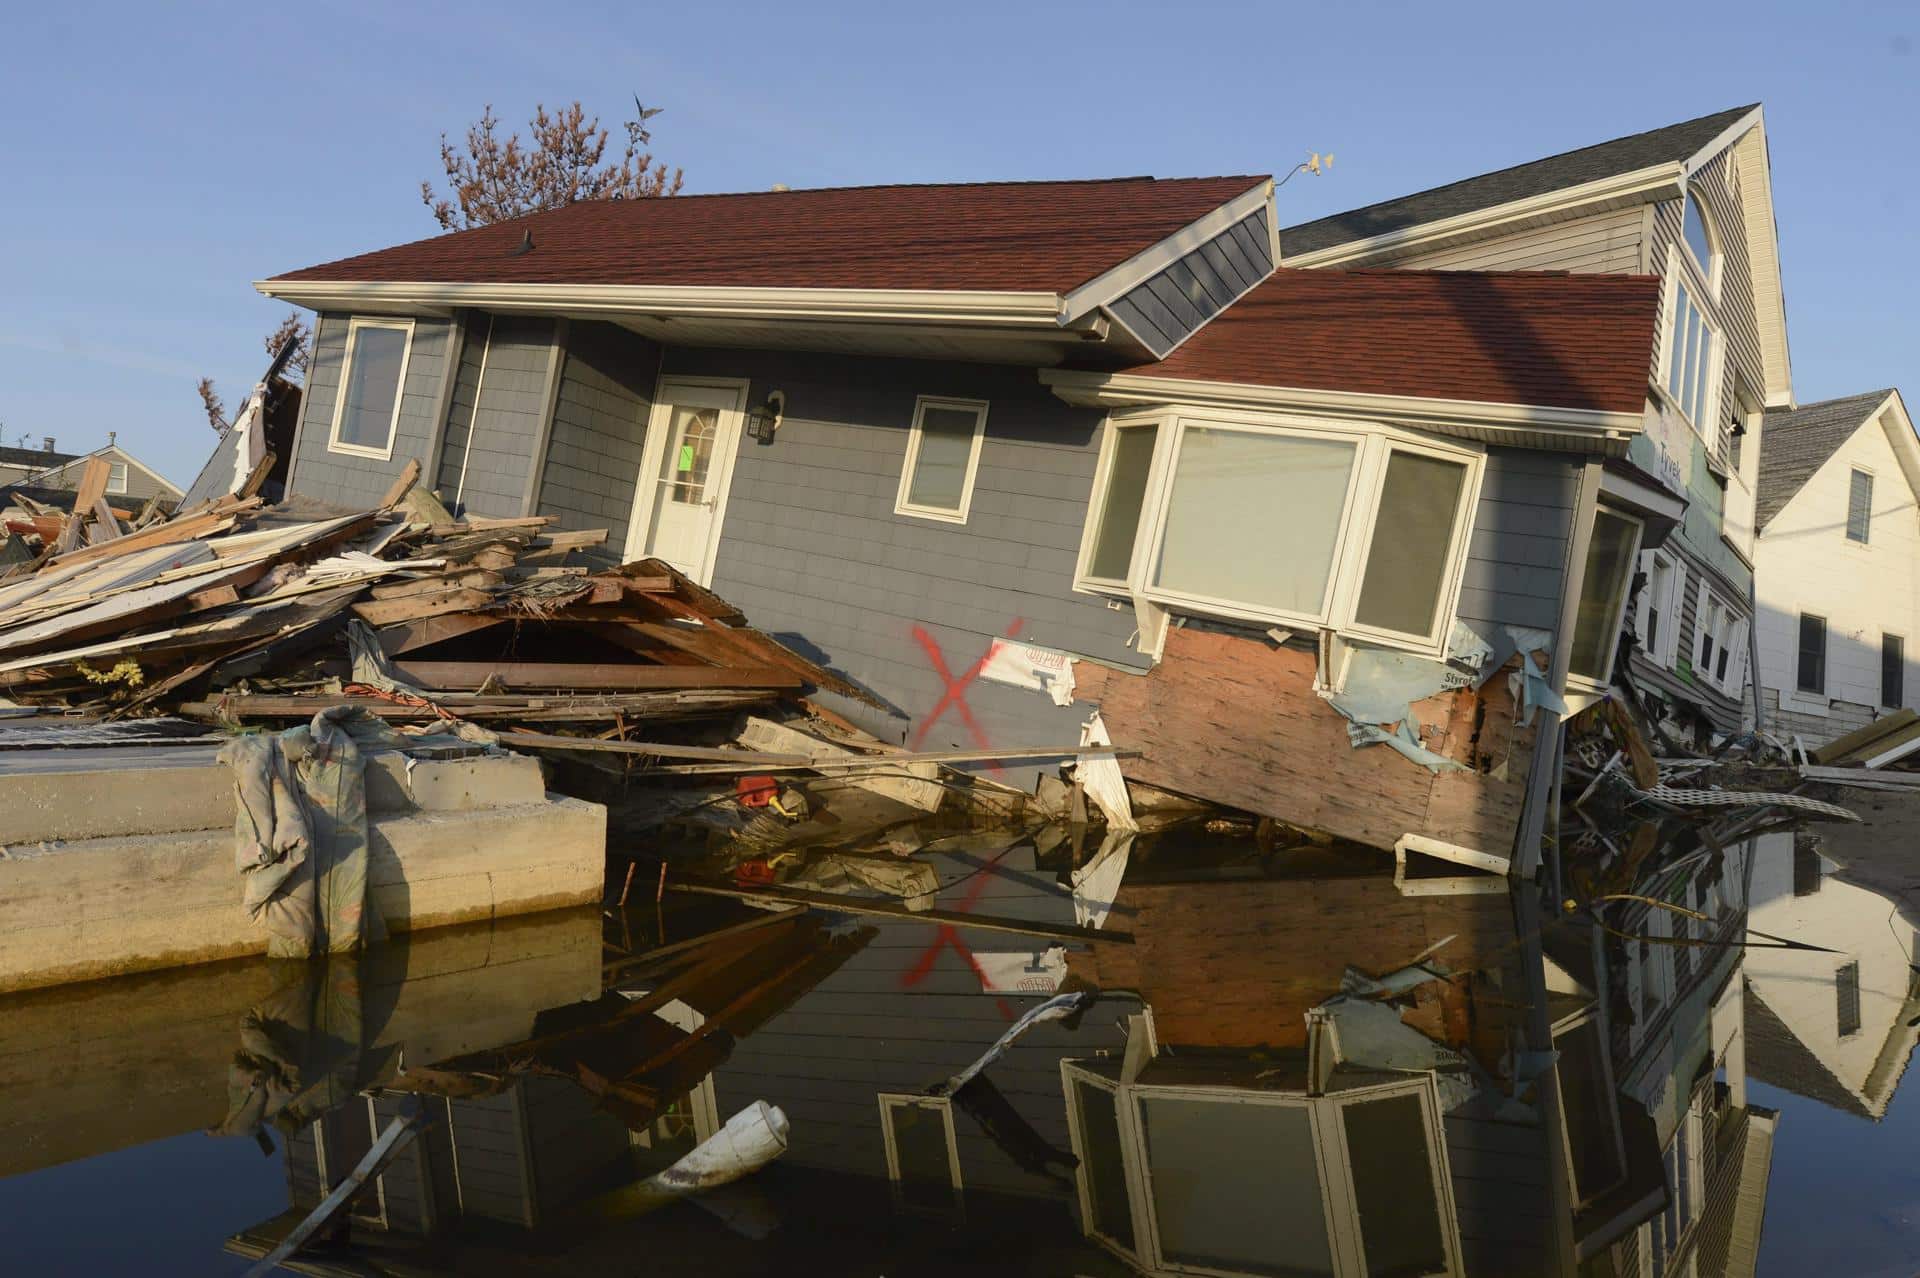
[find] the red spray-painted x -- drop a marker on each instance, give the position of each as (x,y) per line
(948,935)
(956,694)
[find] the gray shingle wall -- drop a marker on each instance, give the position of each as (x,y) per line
(1517,550)
(599,429)
(1167,309)
(496,455)
(347,478)
(466,378)
(812,550)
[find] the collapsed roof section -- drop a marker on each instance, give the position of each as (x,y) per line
(1130,264)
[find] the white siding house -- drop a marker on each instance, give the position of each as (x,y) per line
(1838,565)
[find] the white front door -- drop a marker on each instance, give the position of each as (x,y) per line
(685,472)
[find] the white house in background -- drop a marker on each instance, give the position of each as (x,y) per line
(129,477)
(1837,564)
(1832,1027)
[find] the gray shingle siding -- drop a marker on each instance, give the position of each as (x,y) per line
(1517,549)
(1168,308)
(813,551)
(350,479)
(599,430)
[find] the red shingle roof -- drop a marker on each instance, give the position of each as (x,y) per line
(1045,237)
(1559,341)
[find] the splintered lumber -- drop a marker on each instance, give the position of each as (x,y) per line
(738,758)
(835,764)
(1864,744)
(386,612)
(408,477)
(552,674)
(191,528)
(616,707)
(898,910)
(405,636)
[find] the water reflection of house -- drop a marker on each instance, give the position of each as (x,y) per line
(1831,1025)
(1673,985)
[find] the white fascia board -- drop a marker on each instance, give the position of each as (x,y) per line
(1659,182)
(1891,412)
(998,309)
(1146,264)
(1125,390)
(1756,198)
(1724,139)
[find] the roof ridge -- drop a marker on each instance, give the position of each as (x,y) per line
(1837,399)
(1614,278)
(915,186)
(1732,112)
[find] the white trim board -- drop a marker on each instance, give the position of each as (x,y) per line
(1143,266)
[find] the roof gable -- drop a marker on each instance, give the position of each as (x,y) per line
(1796,442)
(1042,237)
(1672,144)
(1559,341)
(116,453)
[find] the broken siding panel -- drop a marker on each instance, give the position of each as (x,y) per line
(498,452)
(599,431)
(349,479)
(813,551)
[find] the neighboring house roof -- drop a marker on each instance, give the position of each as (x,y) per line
(37,458)
(1673,143)
(1796,442)
(116,453)
(1558,341)
(1044,237)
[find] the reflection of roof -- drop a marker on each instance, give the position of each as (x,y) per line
(1560,341)
(1775,1055)
(1674,143)
(1796,442)
(1014,236)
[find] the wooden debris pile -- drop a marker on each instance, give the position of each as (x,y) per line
(235,610)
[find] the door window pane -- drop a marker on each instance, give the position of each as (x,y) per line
(1412,541)
(940,466)
(1106,1170)
(372,387)
(689,455)
(1254,518)
(1813,653)
(1393,1186)
(1893,671)
(1120,511)
(1235,1186)
(1859,506)
(1609,561)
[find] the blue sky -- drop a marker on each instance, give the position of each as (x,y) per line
(182,157)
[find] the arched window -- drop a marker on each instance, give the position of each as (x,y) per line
(1701,241)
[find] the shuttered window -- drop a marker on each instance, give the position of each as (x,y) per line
(1893,671)
(1859,507)
(1813,654)
(1846,991)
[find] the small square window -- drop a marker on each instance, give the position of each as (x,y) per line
(943,455)
(366,414)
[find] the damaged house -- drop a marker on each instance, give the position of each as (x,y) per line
(1014,455)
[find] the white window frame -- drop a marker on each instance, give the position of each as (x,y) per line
(1681,270)
(1373,445)
(123,473)
(901,505)
(334,442)
(1561,1028)
(1598,684)
(1335,1178)
(1846,523)
(1705,602)
(942,1105)
(1667,643)
(1713,268)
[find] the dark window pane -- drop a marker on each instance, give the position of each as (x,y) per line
(920,1143)
(1806,864)
(1120,513)
(940,467)
(1859,506)
(1720,666)
(1393,1186)
(1893,670)
(1106,1172)
(1236,1186)
(373,386)
(1589,1108)
(1846,986)
(1813,653)
(1407,558)
(1609,570)
(1695,228)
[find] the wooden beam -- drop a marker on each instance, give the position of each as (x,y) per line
(843,763)
(898,910)
(406,636)
(258,475)
(745,759)
(385,612)
(408,477)
(554,674)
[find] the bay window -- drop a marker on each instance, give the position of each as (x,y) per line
(1230,1180)
(1603,596)
(1345,527)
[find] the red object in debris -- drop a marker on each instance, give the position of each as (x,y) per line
(752,872)
(756,792)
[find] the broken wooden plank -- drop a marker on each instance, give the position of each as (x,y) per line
(162,534)
(554,674)
(258,475)
(467,579)
(745,759)
(406,636)
(387,612)
(408,477)
(103,520)
(898,910)
(569,540)
(840,764)
(1865,742)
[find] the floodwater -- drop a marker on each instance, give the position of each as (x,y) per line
(1264,1060)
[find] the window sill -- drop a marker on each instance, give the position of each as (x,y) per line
(361,450)
(940,516)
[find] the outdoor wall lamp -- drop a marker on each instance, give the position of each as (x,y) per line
(764,420)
